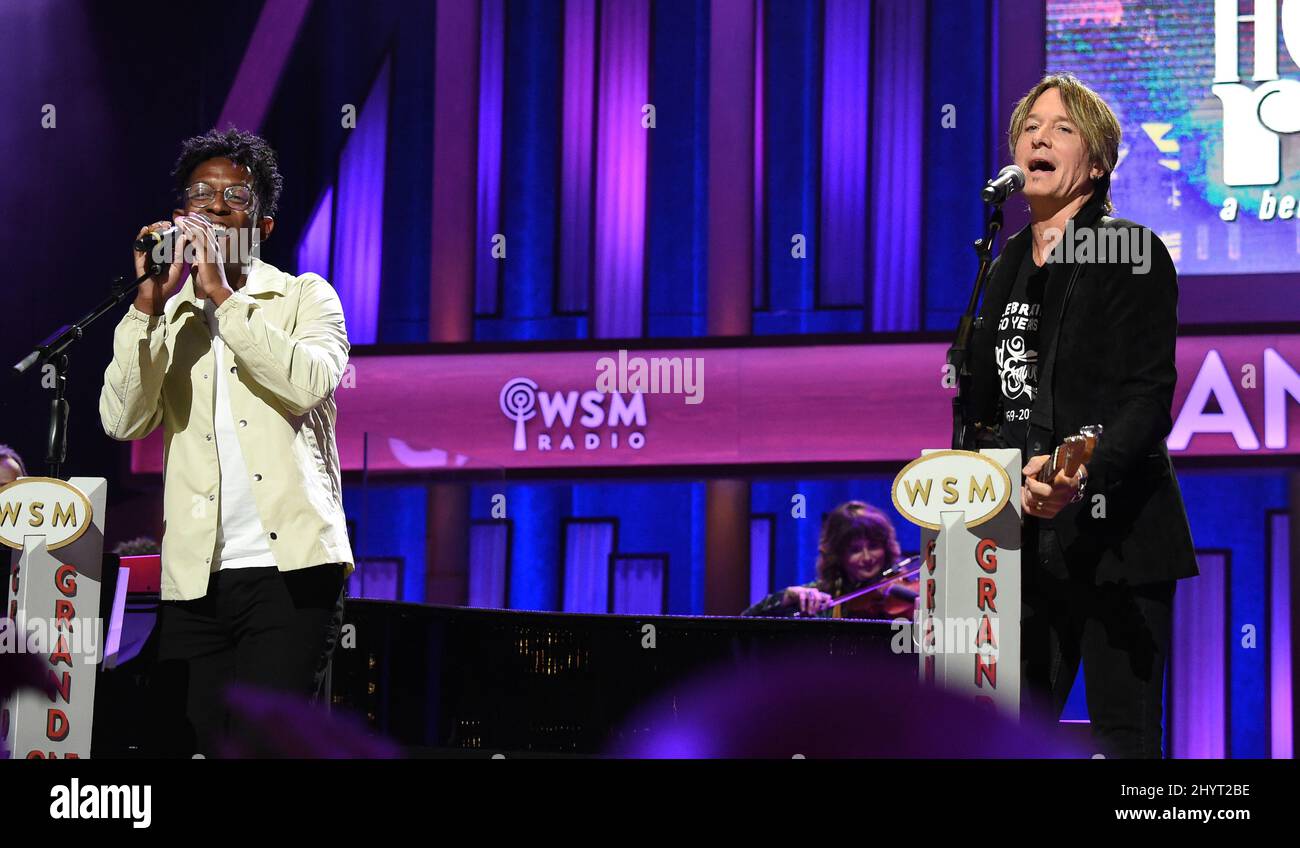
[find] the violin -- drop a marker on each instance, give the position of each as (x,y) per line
(890,595)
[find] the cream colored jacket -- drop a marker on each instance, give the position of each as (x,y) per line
(286,348)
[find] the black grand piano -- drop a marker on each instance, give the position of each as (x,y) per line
(440,680)
(451,681)
(447,680)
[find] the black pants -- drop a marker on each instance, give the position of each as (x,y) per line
(257,627)
(1120,633)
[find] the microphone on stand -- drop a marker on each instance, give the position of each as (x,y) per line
(1009,180)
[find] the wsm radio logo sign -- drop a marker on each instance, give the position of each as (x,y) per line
(1254,118)
(602,412)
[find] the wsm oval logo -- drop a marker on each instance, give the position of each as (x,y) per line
(951,481)
(42,506)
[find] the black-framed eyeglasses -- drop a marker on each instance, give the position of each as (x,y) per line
(237,197)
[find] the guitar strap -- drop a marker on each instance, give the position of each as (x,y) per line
(1042,415)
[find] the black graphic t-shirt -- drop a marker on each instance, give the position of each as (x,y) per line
(1016,350)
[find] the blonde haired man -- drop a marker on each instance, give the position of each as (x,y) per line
(1071,334)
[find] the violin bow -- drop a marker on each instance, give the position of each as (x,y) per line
(901,570)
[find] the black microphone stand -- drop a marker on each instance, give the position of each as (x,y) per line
(959,353)
(55,349)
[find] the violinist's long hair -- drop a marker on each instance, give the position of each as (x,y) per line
(848,523)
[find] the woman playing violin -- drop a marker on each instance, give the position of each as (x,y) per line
(857,545)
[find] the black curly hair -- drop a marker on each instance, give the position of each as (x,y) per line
(242,148)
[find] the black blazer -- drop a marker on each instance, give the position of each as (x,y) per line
(1106,356)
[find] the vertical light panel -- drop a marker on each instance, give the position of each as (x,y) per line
(576,154)
(791,61)
(730,301)
(453,269)
(958,83)
(897,157)
(1198,668)
(726,567)
(489,548)
(1018,48)
(677,195)
(760,558)
(845,140)
(491,103)
(760,208)
(587,548)
(534,578)
(358,235)
(1279,637)
(638,587)
(314,247)
(621,145)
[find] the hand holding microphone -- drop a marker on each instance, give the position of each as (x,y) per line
(190,241)
(209,260)
(154,292)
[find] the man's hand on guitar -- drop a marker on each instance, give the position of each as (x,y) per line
(1042,500)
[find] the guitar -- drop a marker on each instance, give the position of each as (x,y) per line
(1070,454)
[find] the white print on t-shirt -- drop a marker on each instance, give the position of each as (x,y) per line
(1020,316)
(1017,368)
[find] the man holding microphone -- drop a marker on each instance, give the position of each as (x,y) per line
(238,362)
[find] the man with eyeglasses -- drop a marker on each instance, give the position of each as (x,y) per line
(238,361)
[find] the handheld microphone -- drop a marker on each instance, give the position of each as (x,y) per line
(1009,180)
(147,242)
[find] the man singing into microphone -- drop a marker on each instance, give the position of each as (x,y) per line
(238,361)
(1069,335)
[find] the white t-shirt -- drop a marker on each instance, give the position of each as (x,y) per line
(241,538)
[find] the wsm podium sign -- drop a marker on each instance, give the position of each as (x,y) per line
(968,618)
(56,529)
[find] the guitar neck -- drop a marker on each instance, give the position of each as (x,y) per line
(1070,454)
